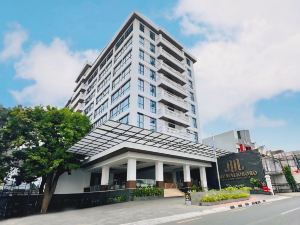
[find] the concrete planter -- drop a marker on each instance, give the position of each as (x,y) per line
(145,198)
(222,202)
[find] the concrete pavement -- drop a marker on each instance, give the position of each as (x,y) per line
(139,212)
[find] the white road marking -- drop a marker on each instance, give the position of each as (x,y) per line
(186,221)
(184,216)
(289,211)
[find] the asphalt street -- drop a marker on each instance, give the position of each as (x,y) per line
(285,212)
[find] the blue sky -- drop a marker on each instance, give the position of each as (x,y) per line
(240,77)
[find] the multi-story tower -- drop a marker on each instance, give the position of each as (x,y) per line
(144,78)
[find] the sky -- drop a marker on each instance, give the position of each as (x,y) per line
(247,70)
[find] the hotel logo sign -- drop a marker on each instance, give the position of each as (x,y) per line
(238,168)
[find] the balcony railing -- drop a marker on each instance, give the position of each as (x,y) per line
(173,98)
(172,71)
(170,46)
(170,57)
(175,115)
(180,133)
(162,78)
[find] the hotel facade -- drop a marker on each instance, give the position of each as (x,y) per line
(140,96)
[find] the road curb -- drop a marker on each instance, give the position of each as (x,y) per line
(247,204)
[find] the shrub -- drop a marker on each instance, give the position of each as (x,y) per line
(194,188)
(255,182)
(147,191)
(226,193)
(290,178)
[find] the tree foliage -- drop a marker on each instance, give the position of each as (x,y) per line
(290,178)
(40,138)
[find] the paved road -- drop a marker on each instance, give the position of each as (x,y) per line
(285,212)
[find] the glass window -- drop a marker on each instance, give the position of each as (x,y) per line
(192,96)
(188,61)
(152,90)
(140,120)
(153,75)
(124,119)
(121,107)
(194,122)
(191,84)
(152,61)
(193,108)
(142,40)
(152,47)
(121,91)
(172,125)
(142,27)
(195,136)
(152,124)
(152,35)
(141,54)
(152,106)
(189,72)
(141,69)
(141,85)
(141,102)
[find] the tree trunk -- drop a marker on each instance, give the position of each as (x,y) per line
(42,185)
(50,186)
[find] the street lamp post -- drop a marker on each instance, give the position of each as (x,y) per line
(215,152)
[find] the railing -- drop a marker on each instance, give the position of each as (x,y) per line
(170,45)
(169,81)
(175,132)
(177,115)
(173,71)
(169,56)
(166,94)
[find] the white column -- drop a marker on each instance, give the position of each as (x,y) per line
(131,170)
(186,173)
(159,171)
(105,175)
(203,178)
(269,183)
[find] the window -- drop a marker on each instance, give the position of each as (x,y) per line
(152,35)
(100,121)
(103,83)
(195,134)
(141,54)
(141,85)
(189,72)
(102,95)
(153,75)
(152,47)
(141,102)
(121,76)
(152,124)
(172,125)
(88,99)
(188,61)
(121,91)
(142,40)
(193,109)
(89,108)
(194,122)
(121,107)
(152,106)
(141,69)
(140,120)
(101,108)
(142,27)
(152,61)
(124,119)
(152,90)
(124,36)
(192,96)
(191,84)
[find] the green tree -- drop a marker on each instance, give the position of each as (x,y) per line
(5,159)
(40,138)
(290,178)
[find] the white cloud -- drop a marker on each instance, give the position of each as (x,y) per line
(53,69)
(13,42)
(251,52)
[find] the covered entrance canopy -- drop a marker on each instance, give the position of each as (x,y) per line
(114,133)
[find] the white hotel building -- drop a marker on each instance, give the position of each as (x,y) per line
(140,97)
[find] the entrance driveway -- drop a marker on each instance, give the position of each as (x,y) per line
(121,213)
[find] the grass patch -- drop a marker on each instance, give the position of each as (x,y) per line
(148,191)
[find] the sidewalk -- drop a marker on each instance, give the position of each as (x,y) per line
(127,213)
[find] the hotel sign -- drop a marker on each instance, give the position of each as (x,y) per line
(239,168)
